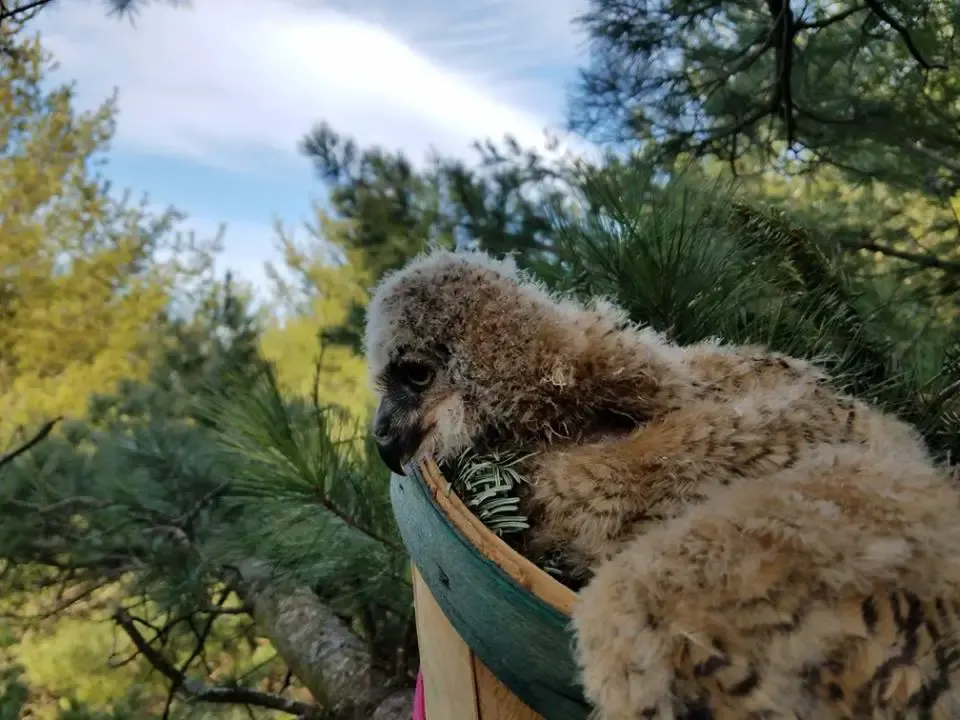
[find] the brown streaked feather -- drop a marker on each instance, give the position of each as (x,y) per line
(760,544)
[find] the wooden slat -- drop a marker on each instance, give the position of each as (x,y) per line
(494,548)
(446,662)
(495,701)
(523,640)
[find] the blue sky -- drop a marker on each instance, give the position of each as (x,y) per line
(214,99)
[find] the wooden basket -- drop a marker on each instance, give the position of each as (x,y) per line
(494,629)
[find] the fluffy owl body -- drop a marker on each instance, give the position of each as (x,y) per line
(757,543)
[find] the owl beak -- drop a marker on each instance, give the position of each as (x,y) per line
(391,456)
(397,442)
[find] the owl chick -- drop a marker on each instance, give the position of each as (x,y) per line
(758,544)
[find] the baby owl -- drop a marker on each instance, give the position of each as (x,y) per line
(758,544)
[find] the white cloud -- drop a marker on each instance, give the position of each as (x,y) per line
(226,83)
(502,41)
(236,85)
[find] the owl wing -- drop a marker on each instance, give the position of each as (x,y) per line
(827,590)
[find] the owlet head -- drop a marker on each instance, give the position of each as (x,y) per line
(463,348)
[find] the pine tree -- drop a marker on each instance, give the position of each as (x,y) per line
(144,516)
(385,210)
(206,493)
(125,512)
(698,258)
(850,107)
(201,506)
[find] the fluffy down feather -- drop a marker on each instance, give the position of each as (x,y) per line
(759,545)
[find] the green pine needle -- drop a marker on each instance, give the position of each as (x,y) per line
(487,484)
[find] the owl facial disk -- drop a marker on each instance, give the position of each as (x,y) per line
(404,420)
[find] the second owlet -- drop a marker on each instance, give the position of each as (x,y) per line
(759,545)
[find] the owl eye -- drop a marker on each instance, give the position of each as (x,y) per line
(416,375)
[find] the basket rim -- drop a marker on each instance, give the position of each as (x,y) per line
(524,572)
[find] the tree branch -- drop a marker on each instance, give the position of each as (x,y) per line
(886,17)
(10,13)
(830,19)
(29,444)
(942,160)
(923,260)
(322,651)
(733,128)
(197,691)
(783,32)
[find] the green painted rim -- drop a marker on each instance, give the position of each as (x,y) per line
(524,641)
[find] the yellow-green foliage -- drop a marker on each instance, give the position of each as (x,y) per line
(319,301)
(858,212)
(294,349)
(82,298)
(82,291)
(81,659)
(68,659)
(79,286)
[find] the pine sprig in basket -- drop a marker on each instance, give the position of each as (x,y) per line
(488,485)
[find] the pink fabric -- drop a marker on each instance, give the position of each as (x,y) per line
(419,707)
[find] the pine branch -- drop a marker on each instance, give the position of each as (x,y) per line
(904,33)
(31,443)
(200,692)
(695,260)
(21,13)
(830,19)
(916,148)
(321,650)
(188,517)
(724,96)
(924,260)
(278,454)
(488,484)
